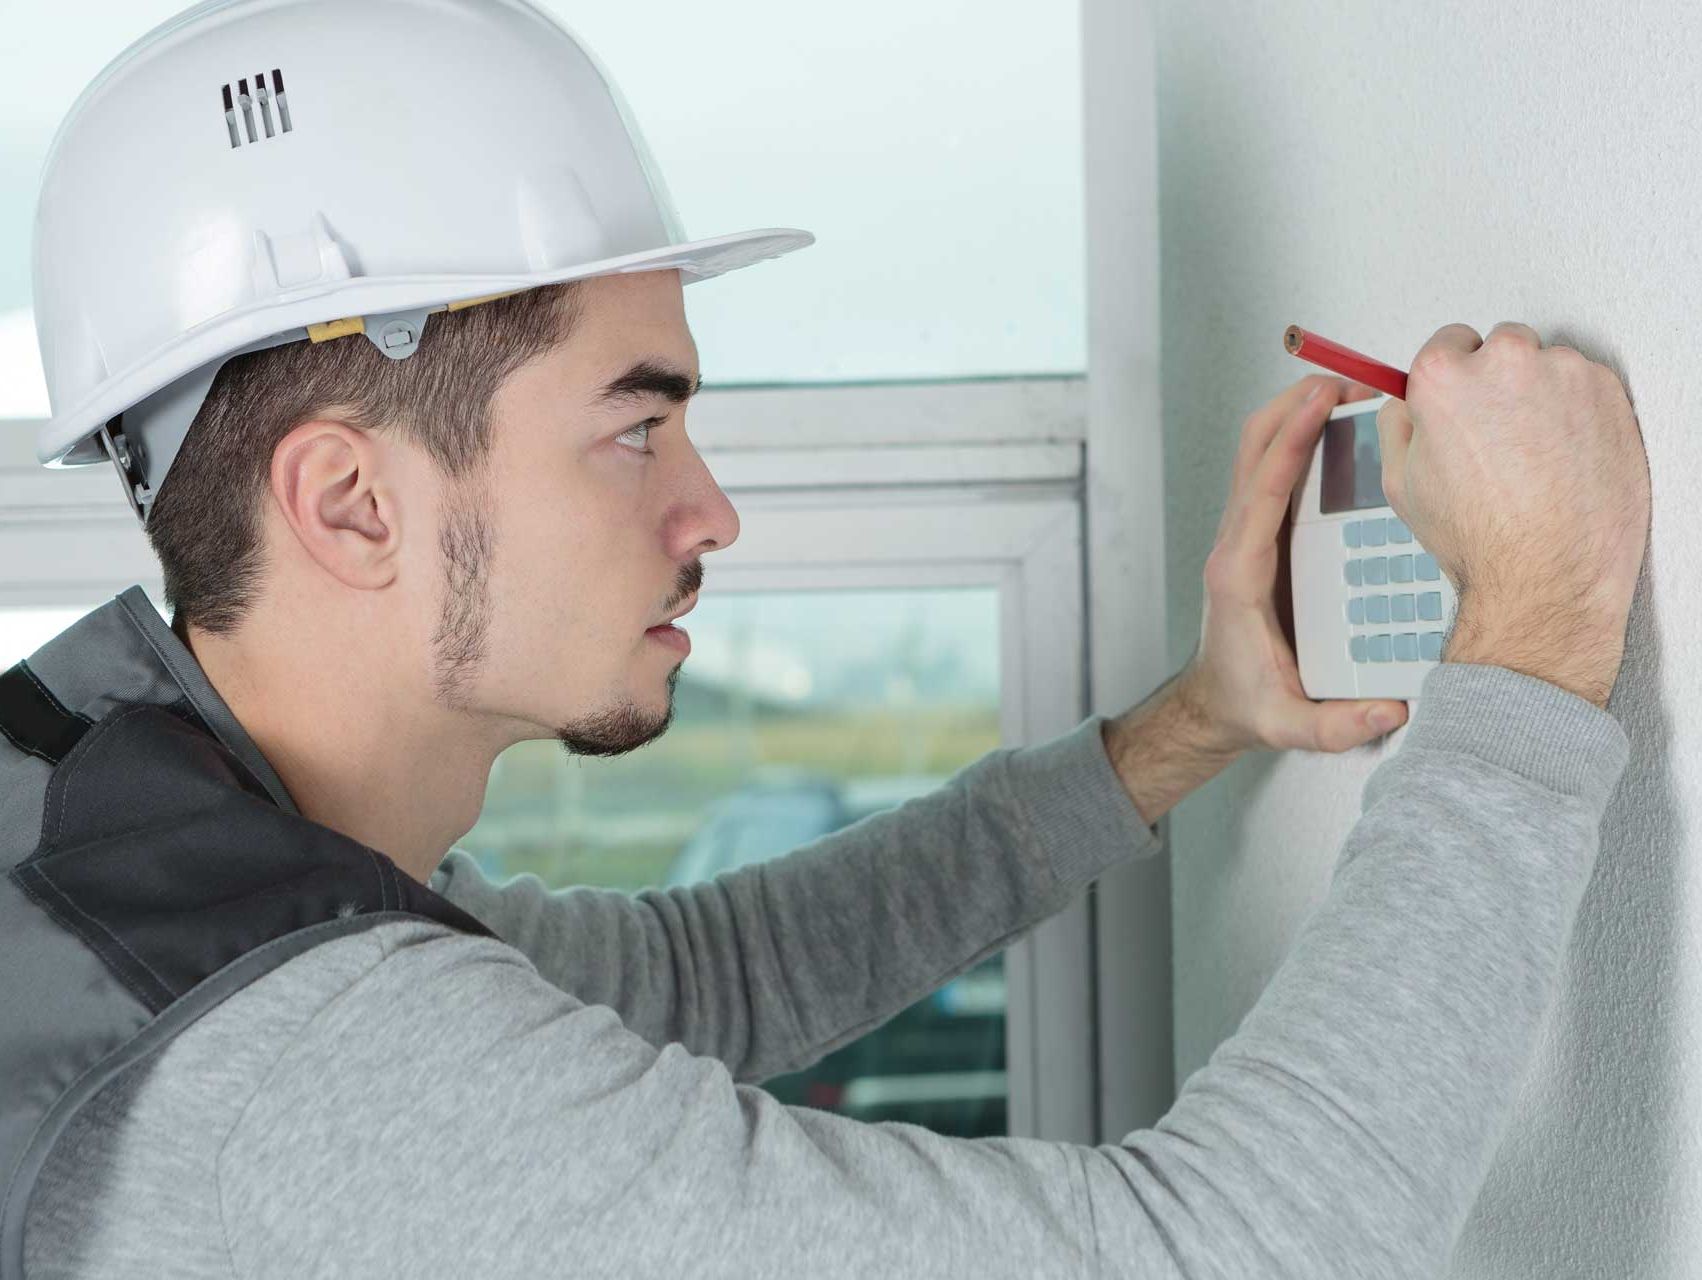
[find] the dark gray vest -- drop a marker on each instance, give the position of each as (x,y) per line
(153,864)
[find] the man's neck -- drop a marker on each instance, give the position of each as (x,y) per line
(357,749)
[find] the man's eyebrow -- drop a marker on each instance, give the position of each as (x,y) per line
(649,378)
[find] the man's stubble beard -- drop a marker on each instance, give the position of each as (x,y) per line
(460,640)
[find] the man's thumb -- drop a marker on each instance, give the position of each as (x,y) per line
(1341,725)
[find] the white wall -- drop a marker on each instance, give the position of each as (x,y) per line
(1374,171)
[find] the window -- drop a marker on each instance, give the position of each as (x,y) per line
(797,714)
(989,574)
(23,631)
(934,149)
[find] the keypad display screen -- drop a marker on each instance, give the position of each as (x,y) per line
(1353,465)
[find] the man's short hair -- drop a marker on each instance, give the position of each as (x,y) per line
(205,524)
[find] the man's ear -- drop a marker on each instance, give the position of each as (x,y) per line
(334,493)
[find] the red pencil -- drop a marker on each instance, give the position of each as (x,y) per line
(1339,359)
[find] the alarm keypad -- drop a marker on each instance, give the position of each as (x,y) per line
(1394,637)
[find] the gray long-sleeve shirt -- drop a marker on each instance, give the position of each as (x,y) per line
(580,1099)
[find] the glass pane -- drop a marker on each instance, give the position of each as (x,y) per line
(24,630)
(796,714)
(933,148)
(67,49)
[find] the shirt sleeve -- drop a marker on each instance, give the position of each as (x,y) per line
(451,1112)
(771,966)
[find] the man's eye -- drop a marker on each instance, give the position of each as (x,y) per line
(647,426)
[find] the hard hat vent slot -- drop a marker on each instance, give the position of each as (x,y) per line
(243,104)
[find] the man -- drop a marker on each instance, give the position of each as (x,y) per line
(378,588)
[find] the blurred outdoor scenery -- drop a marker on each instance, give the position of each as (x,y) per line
(796,714)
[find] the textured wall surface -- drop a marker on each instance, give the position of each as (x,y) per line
(1374,172)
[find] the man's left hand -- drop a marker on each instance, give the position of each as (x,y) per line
(1243,684)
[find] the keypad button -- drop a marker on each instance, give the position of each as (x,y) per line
(1402,608)
(1430,606)
(1356,647)
(1424,566)
(1356,611)
(1406,647)
(1376,571)
(1377,609)
(1400,568)
(1350,535)
(1430,646)
(1355,573)
(1379,648)
(1371,532)
(1398,532)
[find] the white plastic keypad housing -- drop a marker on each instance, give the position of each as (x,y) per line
(1371,607)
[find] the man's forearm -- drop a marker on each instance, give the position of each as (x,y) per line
(770,966)
(1164,748)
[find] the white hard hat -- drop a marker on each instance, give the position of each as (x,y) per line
(255,172)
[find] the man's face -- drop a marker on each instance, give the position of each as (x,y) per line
(594,525)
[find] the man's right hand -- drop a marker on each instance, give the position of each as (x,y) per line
(1521,469)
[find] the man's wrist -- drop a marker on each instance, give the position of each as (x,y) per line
(1165,748)
(1575,654)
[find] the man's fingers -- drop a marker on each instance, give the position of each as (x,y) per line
(1523,332)
(1264,423)
(1337,726)
(1279,471)
(1359,391)
(1394,438)
(1450,342)
(1262,428)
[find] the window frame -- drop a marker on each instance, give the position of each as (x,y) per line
(1024,539)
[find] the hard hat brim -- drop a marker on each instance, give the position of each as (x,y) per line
(69,438)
